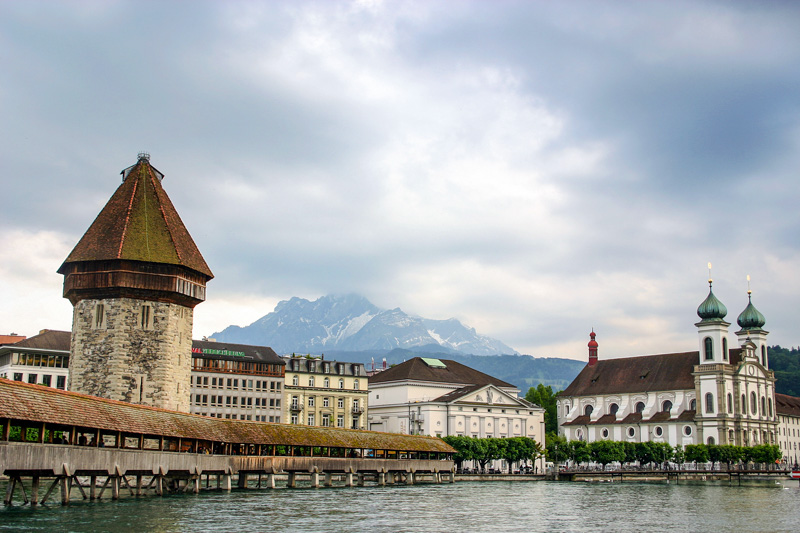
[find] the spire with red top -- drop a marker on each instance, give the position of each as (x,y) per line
(592,349)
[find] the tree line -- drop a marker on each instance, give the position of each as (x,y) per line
(604,452)
(485,450)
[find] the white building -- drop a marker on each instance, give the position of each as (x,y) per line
(716,395)
(442,397)
(42,359)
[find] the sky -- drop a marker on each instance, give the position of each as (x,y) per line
(533,169)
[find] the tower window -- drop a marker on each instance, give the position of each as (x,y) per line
(709,403)
(725,348)
(730,403)
(708,348)
(764,355)
(753,403)
(99,316)
(146,317)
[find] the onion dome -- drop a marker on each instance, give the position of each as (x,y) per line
(751,318)
(593,343)
(711,308)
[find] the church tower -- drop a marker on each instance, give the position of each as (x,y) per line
(712,330)
(134,279)
(752,323)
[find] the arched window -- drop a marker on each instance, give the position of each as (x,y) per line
(769,404)
(724,348)
(709,403)
(666,406)
(763,406)
(764,355)
(753,403)
(730,436)
(744,405)
(355,384)
(711,440)
(730,403)
(588,410)
(311,381)
(708,347)
(341,383)
(612,410)
(326,383)
(566,409)
(693,405)
(640,407)
(295,380)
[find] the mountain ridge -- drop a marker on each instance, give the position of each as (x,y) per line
(350,322)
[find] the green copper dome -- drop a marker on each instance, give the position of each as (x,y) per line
(751,318)
(711,308)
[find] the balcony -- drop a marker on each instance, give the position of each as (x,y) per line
(357,410)
(296,407)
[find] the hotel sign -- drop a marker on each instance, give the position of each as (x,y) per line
(213,351)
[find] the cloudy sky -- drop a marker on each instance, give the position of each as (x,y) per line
(534,169)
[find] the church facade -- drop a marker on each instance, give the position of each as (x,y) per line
(716,395)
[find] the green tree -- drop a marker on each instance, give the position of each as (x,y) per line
(607,451)
(579,451)
(544,397)
(630,452)
(558,449)
(697,453)
(679,455)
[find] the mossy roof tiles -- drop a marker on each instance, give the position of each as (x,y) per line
(139,223)
(35,403)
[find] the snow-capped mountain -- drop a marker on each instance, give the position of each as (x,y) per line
(353,323)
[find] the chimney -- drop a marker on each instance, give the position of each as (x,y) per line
(592,349)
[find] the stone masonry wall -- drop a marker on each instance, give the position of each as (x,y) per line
(114,357)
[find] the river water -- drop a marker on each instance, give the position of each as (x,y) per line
(460,507)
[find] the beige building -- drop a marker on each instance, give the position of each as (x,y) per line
(325,393)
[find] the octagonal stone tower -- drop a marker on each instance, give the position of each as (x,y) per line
(134,279)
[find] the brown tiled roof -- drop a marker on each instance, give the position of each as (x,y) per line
(635,374)
(632,418)
(48,339)
(606,419)
(259,354)
(787,405)
(579,421)
(417,370)
(36,403)
(661,416)
(687,415)
(139,223)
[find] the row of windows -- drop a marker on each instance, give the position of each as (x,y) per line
(257,418)
(325,420)
(144,320)
(201,364)
(326,402)
(247,401)
(766,404)
(233,384)
(46,379)
(38,360)
(708,350)
(324,366)
(326,383)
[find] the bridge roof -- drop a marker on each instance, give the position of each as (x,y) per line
(36,403)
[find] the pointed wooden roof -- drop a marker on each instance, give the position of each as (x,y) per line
(139,223)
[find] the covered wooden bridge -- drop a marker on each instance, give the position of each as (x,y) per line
(76,440)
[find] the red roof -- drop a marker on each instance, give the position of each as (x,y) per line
(139,223)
